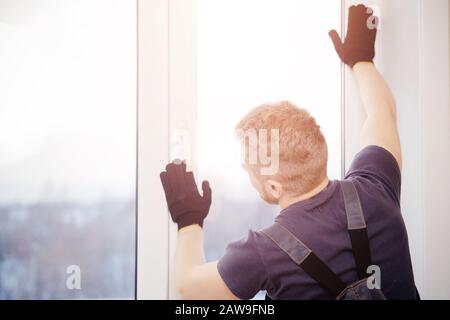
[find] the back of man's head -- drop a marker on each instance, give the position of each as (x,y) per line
(301,146)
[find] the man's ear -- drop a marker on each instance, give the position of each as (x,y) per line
(274,188)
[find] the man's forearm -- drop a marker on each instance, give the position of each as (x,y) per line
(188,254)
(380,127)
(188,209)
(374,91)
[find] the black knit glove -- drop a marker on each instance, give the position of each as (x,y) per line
(359,44)
(186,205)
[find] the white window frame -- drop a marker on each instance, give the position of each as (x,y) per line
(167,80)
(167,64)
(153,150)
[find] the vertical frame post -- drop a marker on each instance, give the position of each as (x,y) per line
(182,94)
(153,150)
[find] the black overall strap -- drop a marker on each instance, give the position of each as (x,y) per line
(310,263)
(357,228)
(305,258)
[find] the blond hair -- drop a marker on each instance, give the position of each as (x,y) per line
(303,151)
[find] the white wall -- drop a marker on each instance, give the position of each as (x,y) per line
(436,150)
(413,56)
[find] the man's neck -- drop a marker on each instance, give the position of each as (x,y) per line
(290,200)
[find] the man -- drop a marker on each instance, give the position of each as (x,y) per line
(312,206)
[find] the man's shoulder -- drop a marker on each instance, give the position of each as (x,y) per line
(376,168)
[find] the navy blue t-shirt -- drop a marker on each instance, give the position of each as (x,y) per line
(256,263)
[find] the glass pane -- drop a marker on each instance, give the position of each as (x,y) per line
(249,53)
(67,149)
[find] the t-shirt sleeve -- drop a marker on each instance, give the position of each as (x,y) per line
(242,269)
(377,163)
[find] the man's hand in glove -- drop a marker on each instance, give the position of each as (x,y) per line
(359,44)
(187,207)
